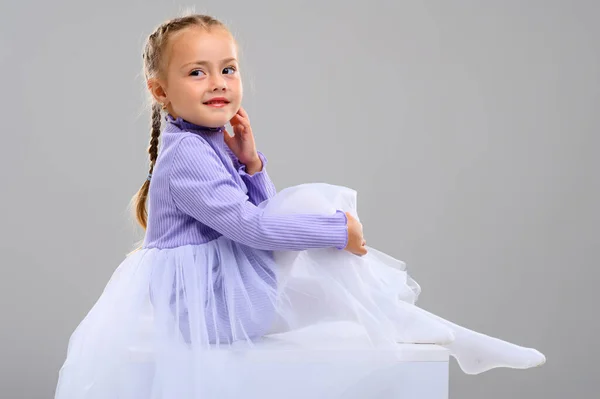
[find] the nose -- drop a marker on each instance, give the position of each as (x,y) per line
(218,83)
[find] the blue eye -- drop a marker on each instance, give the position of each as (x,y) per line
(232,69)
(196,70)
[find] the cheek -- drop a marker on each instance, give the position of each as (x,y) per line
(236,86)
(239,89)
(180,91)
(190,88)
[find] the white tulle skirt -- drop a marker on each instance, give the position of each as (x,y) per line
(176,306)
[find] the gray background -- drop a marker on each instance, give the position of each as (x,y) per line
(469,129)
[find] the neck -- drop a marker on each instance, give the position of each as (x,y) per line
(187,125)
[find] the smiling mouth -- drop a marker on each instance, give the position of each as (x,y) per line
(217,102)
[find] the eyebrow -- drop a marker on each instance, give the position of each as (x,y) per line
(205,63)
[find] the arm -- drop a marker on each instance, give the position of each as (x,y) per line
(259,184)
(203,189)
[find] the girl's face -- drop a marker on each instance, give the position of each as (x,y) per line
(202,82)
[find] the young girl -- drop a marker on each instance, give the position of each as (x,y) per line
(226,260)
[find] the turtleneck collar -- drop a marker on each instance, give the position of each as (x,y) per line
(182,124)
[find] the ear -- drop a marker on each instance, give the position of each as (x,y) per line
(157,90)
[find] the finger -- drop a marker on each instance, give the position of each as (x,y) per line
(239,129)
(235,119)
(238,121)
(243,116)
(244,121)
(243,113)
(239,115)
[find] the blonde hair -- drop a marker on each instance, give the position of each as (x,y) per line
(154,58)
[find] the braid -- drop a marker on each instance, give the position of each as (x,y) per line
(141,212)
(154,135)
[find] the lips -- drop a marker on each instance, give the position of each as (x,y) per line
(217,101)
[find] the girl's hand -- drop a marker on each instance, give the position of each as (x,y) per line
(356,242)
(242,143)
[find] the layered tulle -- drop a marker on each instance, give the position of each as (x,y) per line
(168,317)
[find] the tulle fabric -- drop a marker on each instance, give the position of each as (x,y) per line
(167,318)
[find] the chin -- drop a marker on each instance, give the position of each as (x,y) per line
(216,122)
(211,123)
(211,120)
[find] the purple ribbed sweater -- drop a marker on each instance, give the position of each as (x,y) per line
(200,191)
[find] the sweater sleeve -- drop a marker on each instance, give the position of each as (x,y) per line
(260,186)
(202,188)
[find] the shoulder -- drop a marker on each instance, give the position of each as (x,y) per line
(193,155)
(187,139)
(190,145)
